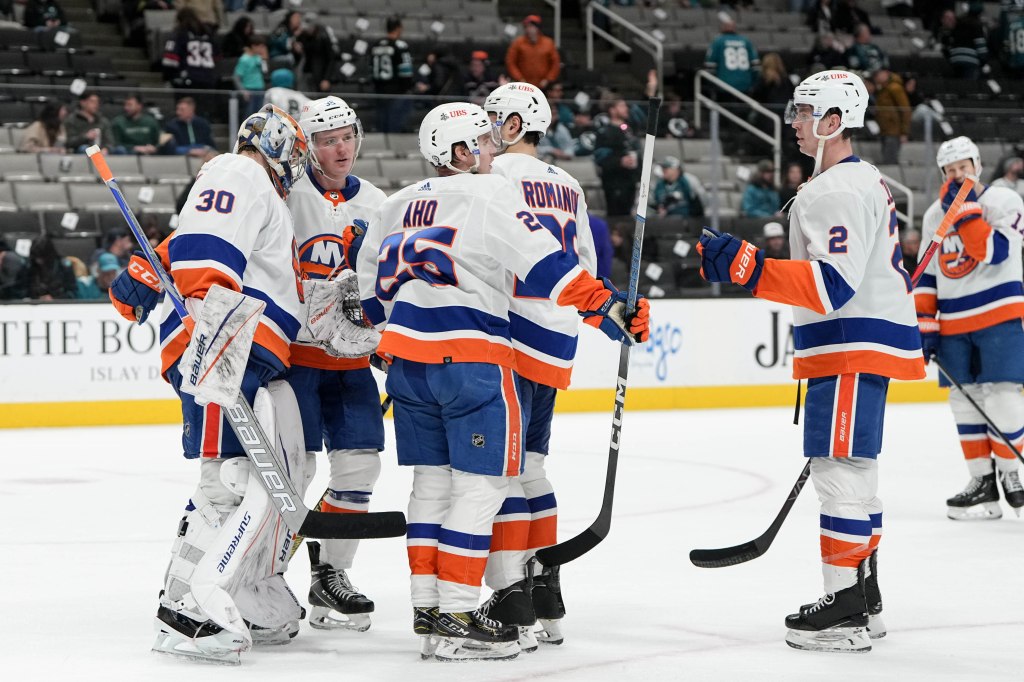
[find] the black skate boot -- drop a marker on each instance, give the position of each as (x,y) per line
(836,622)
(979,501)
(332,594)
(424,624)
(182,636)
(470,635)
(548,604)
(867,572)
(514,606)
(1013,491)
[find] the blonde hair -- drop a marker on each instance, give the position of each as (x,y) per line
(772,68)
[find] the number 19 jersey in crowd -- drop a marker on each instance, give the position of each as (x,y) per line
(544,334)
(853,307)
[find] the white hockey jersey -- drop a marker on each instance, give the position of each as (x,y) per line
(853,307)
(972,291)
(320,216)
(434,266)
(235,230)
(286,99)
(544,334)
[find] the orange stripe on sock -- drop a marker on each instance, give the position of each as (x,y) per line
(841,553)
(999,449)
(543,532)
(328,507)
(422,559)
(455,568)
(976,449)
(510,536)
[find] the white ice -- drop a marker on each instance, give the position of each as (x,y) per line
(90,515)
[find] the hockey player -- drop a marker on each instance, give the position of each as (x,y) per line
(235,233)
(854,330)
(338,397)
(434,268)
(969,304)
(544,339)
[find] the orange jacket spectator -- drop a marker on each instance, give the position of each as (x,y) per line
(533,57)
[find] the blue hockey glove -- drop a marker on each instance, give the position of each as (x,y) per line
(724,258)
(136,290)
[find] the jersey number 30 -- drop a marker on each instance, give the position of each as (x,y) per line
(411,255)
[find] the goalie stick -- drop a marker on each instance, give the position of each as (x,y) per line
(577,546)
(260,451)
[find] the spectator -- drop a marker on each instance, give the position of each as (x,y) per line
(910,246)
(827,53)
(819,17)
(118,243)
(209,12)
(85,284)
(555,93)
(46,133)
(1010,35)
(284,39)
(190,134)
(677,193)
(732,57)
(320,51)
(533,57)
(847,18)
(791,183)
(775,244)
(151,228)
(772,91)
(235,40)
(190,53)
(282,93)
(13,274)
(250,71)
(963,44)
(107,269)
(557,143)
(671,120)
(616,153)
(49,278)
(864,55)
(892,113)
(87,125)
(603,249)
(760,199)
(392,77)
(1013,176)
(480,78)
(438,74)
(43,15)
(135,130)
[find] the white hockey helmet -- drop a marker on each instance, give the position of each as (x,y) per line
(832,89)
(279,138)
(328,113)
(449,124)
(958,149)
(523,99)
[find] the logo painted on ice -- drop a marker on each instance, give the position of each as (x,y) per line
(666,340)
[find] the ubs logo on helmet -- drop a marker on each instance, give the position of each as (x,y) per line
(954,261)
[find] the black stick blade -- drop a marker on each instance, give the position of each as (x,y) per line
(728,556)
(327,526)
(571,549)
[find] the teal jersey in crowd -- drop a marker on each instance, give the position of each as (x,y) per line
(1011,24)
(733,59)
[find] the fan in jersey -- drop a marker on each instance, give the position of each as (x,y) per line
(338,397)
(433,270)
(853,331)
(223,589)
(544,339)
(970,302)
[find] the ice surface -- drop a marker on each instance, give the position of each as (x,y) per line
(90,515)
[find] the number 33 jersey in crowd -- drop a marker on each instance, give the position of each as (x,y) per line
(434,265)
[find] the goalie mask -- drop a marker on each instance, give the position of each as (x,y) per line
(281,142)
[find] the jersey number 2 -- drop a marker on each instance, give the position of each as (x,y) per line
(409,255)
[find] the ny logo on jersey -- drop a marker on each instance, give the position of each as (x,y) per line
(320,255)
(954,262)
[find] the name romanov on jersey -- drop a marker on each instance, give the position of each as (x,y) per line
(541,194)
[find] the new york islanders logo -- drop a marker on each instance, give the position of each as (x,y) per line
(953,260)
(319,256)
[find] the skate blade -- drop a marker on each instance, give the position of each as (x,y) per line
(527,641)
(283,634)
(550,632)
(832,640)
(323,618)
(428,645)
(876,627)
(177,647)
(454,649)
(986,511)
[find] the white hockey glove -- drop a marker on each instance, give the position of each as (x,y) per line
(214,362)
(334,317)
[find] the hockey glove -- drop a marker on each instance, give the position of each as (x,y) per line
(352,240)
(973,230)
(724,258)
(929,335)
(136,290)
(610,315)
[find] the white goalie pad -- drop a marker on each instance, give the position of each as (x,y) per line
(334,317)
(214,362)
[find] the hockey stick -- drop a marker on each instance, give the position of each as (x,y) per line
(730,556)
(575,547)
(260,451)
(991,424)
(940,233)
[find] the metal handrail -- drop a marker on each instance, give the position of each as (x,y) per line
(700,98)
(556,5)
(648,43)
(907,217)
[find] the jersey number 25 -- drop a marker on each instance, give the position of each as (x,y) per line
(410,255)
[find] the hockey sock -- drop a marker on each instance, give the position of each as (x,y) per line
(972,429)
(353,475)
(428,506)
(540,497)
(850,516)
(506,563)
(1005,406)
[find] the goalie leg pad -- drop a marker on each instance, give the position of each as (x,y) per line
(353,475)
(851,516)
(973,430)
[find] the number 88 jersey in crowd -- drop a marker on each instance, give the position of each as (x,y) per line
(434,265)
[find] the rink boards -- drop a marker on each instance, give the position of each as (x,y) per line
(81,364)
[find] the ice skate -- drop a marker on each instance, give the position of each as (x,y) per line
(979,501)
(1013,491)
(514,606)
(424,624)
(282,634)
(868,572)
(336,604)
(487,639)
(835,623)
(206,642)
(548,605)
